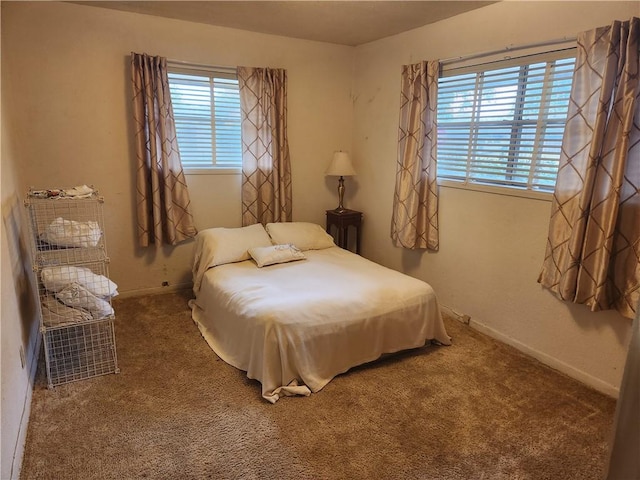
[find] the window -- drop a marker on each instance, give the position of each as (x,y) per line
(206,109)
(504,125)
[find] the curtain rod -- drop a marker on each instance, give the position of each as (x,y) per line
(452,60)
(201,66)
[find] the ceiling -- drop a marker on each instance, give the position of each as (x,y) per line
(342,22)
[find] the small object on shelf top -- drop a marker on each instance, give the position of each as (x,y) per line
(80,191)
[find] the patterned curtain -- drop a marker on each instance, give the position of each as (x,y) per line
(414,222)
(593,249)
(164,207)
(266,167)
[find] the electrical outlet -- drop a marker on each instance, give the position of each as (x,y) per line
(23,359)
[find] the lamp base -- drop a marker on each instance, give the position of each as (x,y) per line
(340,210)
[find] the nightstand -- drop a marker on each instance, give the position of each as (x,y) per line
(342,220)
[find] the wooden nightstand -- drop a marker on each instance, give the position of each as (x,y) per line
(342,221)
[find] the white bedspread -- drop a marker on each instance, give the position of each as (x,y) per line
(297,325)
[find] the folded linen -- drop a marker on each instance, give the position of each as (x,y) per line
(58,277)
(76,296)
(56,314)
(81,191)
(69,233)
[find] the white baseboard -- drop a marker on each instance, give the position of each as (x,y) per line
(155,290)
(548,360)
(461,317)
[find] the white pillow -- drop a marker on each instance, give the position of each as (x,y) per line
(275,254)
(305,236)
(217,246)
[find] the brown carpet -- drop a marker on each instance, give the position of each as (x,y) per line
(475,410)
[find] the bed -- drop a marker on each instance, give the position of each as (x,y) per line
(293,310)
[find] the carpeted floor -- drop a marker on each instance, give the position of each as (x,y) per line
(475,410)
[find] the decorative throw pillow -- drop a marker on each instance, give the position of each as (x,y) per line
(305,236)
(265,256)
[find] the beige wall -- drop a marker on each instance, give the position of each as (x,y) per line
(18,323)
(492,246)
(72,115)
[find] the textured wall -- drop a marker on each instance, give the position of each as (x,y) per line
(66,120)
(18,322)
(73,116)
(491,246)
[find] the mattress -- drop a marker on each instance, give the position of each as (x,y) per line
(295,326)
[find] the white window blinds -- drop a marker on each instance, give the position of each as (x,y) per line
(206,108)
(503,125)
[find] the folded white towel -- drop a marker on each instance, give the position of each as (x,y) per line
(76,296)
(69,233)
(58,277)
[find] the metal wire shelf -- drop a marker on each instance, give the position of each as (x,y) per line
(80,352)
(71,266)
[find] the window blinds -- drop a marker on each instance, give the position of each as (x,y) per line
(503,125)
(206,108)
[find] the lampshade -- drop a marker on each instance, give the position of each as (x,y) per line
(340,165)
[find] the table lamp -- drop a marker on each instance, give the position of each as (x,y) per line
(340,167)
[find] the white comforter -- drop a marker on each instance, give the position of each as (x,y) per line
(297,325)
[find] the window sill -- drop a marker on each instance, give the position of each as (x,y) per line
(508,191)
(212,171)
